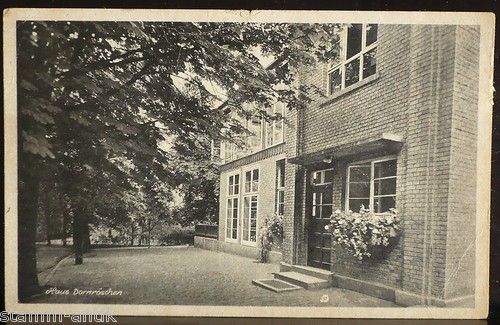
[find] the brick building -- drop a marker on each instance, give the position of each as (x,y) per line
(396,127)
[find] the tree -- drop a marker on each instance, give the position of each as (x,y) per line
(93,95)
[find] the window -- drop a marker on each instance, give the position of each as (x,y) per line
(250,200)
(232,207)
(321,177)
(322,196)
(229,151)
(280,187)
(357,59)
(254,140)
(372,185)
(275,128)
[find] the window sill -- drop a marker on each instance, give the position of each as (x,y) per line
(349,89)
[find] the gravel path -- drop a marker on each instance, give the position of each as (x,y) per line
(183,276)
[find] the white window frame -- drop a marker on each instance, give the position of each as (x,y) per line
(343,61)
(372,180)
(279,164)
(250,194)
(322,173)
(232,197)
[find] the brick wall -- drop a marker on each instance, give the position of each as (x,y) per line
(460,246)
(422,87)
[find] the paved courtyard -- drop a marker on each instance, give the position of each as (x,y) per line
(183,276)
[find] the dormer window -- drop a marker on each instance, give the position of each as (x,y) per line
(357,59)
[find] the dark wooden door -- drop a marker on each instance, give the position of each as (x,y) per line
(320,197)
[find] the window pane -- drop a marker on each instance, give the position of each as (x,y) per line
(359,173)
(281,208)
(281,173)
(371,33)
(335,80)
(254,140)
(229,211)
(255,180)
(235,208)
(383,204)
(269,134)
(369,63)
(385,168)
(256,175)
(328,176)
(355,204)
(316,178)
(248,181)
(278,132)
(385,186)
(352,72)
(354,33)
(236,184)
(359,190)
(327,196)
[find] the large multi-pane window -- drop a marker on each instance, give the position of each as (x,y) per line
(358,57)
(372,185)
(280,187)
(233,192)
(250,201)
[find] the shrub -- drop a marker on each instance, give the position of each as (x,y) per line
(177,236)
(270,233)
(364,234)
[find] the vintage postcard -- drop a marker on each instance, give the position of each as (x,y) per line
(236,163)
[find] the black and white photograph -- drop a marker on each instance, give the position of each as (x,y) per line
(231,163)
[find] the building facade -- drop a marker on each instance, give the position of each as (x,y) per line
(396,127)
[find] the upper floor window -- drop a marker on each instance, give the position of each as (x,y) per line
(357,59)
(275,130)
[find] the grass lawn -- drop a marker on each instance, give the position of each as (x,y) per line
(184,276)
(49,256)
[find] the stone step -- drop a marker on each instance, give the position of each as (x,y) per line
(313,271)
(302,280)
(276,285)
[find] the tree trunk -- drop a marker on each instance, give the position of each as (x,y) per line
(47,214)
(149,233)
(78,234)
(65,218)
(27,224)
(86,236)
(132,235)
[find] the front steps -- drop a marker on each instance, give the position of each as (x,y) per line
(298,276)
(302,280)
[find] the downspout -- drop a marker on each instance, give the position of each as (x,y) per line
(299,227)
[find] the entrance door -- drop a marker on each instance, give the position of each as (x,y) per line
(320,195)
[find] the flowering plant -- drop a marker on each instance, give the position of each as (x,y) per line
(363,233)
(270,233)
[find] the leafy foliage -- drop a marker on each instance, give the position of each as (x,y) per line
(271,233)
(364,232)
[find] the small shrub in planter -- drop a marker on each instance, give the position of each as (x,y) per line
(270,233)
(365,234)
